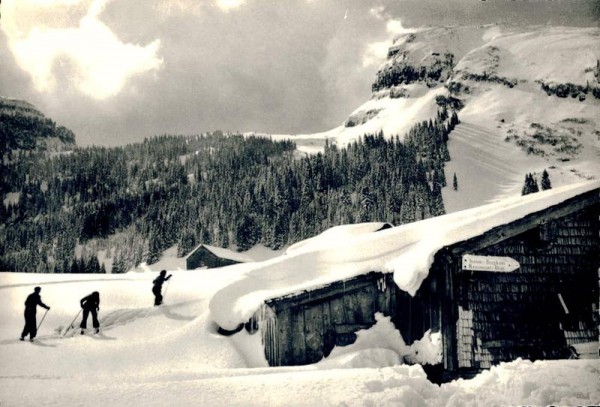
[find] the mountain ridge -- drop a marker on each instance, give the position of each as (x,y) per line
(532,91)
(23,127)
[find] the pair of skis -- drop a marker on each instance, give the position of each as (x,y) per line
(72,326)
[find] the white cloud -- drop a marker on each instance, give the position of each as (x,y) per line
(49,3)
(227,5)
(167,8)
(395,27)
(378,12)
(101,62)
(376,52)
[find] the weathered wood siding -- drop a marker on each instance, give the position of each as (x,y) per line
(304,328)
(503,316)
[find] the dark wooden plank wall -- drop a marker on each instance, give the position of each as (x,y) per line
(307,326)
(437,294)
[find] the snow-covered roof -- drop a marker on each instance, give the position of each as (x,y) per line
(407,251)
(337,233)
(224,253)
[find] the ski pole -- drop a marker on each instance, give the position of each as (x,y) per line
(71,324)
(40,324)
(166,288)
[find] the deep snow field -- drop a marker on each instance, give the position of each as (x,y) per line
(172,355)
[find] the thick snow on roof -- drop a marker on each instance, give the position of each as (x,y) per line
(407,251)
(226,253)
(335,234)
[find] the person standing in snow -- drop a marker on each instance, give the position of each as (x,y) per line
(90,304)
(31,303)
(157,286)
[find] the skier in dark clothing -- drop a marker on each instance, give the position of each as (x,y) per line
(91,303)
(31,303)
(156,289)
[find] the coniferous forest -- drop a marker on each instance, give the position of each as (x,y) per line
(133,202)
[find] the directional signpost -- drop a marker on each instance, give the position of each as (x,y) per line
(489,263)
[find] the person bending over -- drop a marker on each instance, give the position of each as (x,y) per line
(90,304)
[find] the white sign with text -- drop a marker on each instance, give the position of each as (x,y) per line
(489,263)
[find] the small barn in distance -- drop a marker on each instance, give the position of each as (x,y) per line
(213,257)
(507,280)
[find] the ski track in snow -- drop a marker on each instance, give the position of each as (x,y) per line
(121,317)
(113,318)
(487,168)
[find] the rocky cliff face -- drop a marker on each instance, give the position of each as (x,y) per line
(546,56)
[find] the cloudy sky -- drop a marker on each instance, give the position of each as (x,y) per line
(116,71)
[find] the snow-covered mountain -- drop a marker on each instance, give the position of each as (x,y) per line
(527,99)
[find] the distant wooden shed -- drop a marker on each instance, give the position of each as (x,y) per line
(536,311)
(213,257)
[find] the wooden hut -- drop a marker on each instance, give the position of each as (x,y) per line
(528,288)
(213,257)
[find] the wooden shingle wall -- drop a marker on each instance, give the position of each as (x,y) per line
(538,310)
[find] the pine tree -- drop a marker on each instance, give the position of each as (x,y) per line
(546,184)
(93,265)
(530,186)
(455,182)
(154,248)
(118,266)
(534,185)
(454,120)
(437,204)
(74,267)
(247,233)
(526,185)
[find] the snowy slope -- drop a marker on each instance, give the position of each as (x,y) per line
(504,115)
(172,356)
